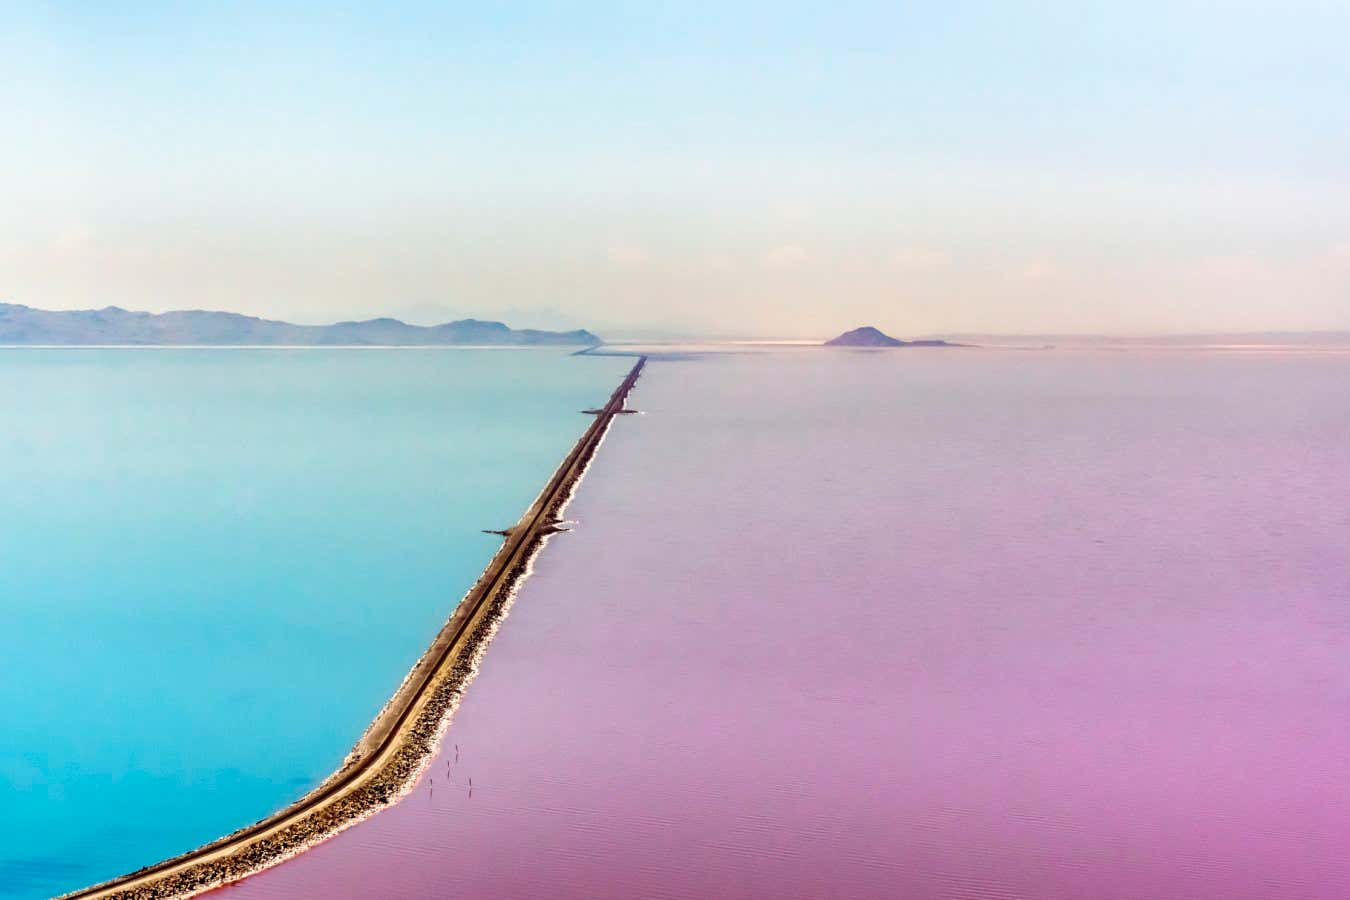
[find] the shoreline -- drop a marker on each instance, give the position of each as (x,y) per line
(395,749)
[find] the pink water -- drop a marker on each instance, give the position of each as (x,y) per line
(916,624)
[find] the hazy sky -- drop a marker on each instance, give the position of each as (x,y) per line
(764,168)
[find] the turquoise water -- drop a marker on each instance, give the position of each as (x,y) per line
(217,565)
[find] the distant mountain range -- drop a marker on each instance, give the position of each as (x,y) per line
(867,336)
(113,325)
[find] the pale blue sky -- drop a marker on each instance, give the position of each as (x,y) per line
(754,168)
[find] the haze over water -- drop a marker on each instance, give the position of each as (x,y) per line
(924,624)
(217,565)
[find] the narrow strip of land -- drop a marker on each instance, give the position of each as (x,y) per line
(394,750)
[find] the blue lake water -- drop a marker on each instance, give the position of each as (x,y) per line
(217,565)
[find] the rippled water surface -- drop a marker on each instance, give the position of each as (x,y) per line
(916,624)
(217,565)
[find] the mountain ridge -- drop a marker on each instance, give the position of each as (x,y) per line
(870,336)
(26,325)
